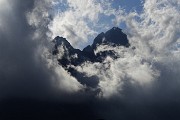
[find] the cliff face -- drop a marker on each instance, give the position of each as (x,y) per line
(70,56)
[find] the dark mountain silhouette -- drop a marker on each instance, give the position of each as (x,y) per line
(113,37)
(71,56)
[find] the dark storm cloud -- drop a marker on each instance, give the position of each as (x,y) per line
(20,73)
(25,82)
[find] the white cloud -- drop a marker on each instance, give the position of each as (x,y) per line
(4,5)
(39,18)
(39,15)
(153,33)
(5,8)
(79,22)
(128,67)
(159,25)
(63,80)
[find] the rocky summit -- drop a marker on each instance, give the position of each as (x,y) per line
(71,56)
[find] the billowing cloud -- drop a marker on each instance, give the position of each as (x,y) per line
(79,21)
(154,38)
(19,73)
(39,18)
(113,73)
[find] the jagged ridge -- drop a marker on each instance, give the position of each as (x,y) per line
(72,56)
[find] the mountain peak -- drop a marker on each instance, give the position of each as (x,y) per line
(114,36)
(116,28)
(60,40)
(75,57)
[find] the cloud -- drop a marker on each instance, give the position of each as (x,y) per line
(22,71)
(62,79)
(143,83)
(156,24)
(23,43)
(152,36)
(113,73)
(79,21)
(39,18)
(146,32)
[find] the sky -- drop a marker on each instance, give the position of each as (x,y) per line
(143,84)
(102,18)
(129,5)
